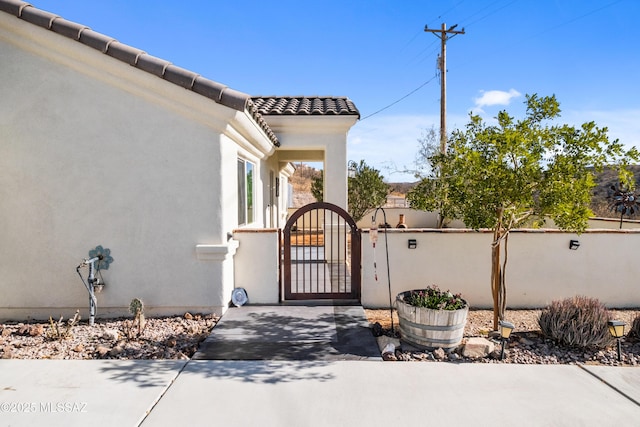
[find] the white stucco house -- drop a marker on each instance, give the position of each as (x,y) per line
(104,144)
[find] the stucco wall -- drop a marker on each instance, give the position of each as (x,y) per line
(94,152)
(256,265)
(540,268)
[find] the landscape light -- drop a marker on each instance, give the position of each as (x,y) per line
(616,329)
(505,332)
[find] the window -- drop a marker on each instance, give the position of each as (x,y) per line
(245,192)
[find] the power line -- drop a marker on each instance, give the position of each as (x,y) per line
(406,96)
(447,11)
(577,18)
(487,14)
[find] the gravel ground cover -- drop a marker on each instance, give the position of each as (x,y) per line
(527,344)
(178,337)
(162,338)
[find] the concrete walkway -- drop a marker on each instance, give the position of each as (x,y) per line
(292,332)
(322,391)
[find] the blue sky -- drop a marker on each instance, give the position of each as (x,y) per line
(376,52)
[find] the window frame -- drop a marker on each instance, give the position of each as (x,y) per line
(246,177)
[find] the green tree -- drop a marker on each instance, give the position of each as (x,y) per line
(517,173)
(366,189)
(317,187)
(429,146)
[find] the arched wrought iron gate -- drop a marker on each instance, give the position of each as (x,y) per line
(321,254)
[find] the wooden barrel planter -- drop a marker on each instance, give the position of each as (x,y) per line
(428,329)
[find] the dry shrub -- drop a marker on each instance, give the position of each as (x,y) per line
(577,322)
(635,327)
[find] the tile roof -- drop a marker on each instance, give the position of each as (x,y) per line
(218,92)
(305,105)
(255,106)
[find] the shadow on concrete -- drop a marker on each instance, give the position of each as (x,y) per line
(265,344)
(300,333)
(145,373)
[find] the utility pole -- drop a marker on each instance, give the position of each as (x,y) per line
(443,34)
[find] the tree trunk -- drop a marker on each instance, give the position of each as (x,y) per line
(495,276)
(498,290)
(503,277)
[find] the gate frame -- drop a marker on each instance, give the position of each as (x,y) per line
(356,256)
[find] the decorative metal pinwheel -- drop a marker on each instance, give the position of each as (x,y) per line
(623,201)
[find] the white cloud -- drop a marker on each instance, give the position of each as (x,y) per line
(494,97)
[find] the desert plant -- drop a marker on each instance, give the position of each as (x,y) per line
(576,322)
(432,297)
(635,327)
(134,328)
(61,330)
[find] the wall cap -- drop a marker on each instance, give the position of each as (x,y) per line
(217,252)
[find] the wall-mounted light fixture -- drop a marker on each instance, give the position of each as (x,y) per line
(412,243)
(616,329)
(574,244)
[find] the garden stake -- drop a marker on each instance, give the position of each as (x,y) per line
(386,244)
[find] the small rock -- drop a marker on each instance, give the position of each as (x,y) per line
(79,348)
(476,348)
(6,332)
(389,357)
(6,352)
(188,316)
(389,349)
(102,350)
(171,342)
(23,330)
(384,340)
(439,354)
(115,351)
(405,357)
(110,335)
(36,330)
(454,357)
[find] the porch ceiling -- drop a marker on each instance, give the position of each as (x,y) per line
(301,155)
